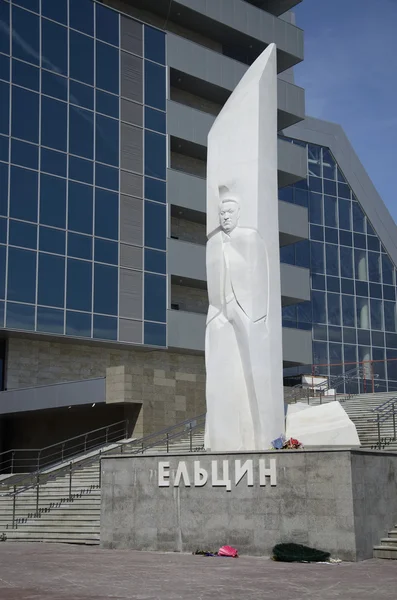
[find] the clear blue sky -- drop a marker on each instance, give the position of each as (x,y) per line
(350,77)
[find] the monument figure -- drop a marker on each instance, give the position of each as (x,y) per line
(243,346)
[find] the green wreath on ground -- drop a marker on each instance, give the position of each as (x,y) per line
(298,553)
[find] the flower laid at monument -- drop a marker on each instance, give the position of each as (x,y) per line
(282,443)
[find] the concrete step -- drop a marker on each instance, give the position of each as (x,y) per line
(389,541)
(385,551)
(18,536)
(52,530)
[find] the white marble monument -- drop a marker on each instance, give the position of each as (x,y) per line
(244,390)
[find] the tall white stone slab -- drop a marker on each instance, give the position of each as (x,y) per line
(244,387)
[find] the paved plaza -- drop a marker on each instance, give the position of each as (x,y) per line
(66,572)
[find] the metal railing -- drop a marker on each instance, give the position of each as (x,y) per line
(161,440)
(384,412)
(23,460)
(304,392)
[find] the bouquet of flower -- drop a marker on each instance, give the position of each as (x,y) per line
(281,443)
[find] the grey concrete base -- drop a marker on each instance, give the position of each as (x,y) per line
(342,501)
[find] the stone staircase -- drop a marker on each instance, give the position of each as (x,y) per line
(75,521)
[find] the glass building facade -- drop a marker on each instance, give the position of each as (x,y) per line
(352,312)
(83,162)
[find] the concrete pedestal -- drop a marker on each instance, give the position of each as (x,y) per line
(342,501)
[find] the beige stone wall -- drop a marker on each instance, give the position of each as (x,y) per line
(188,231)
(170,386)
(189,299)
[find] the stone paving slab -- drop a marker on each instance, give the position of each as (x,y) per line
(66,572)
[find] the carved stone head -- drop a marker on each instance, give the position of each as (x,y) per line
(229,210)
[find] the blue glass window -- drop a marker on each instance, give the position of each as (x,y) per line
(348,311)
(387,270)
(155,261)
(81,94)
(376,314)
(105,289)
(287,254)
(52,201)
(23,234)
(378,339)
(329,187)
(107,68)
(107,25)
(345,238)
(334,333)
(344,191)
(3,148)
(347,286)
(315,184)
(333,304)
(155,190)
(154,45)
(331,235)
(301,196)
(362,312)
(370,229)
(20,316)
(333,284)
(1,325)
(53,123)
(54,52)
(54,85)
(80,207)
(389,292)
(155,297)
(81,60)
(320,332)
(81,132)
(373,243)
(4,107)
(329,166)
(360,240)
(107,140)
(78,324)
(318,282)
(302,254)
(358,218)
(318,307)
(25,114)
(106,214)
(2,271)
(81,15)
(344,214)
(49,320)
(106,252)
(57,11)
(331,253)
(51,240)
(25,155)
(3,231)
(155,334)
(80,246)
(316,209)
(155,95)
(317,257)
(79,285)
(25,39)
(5,34)
(361,288)
(349,336)
(390,315)
(286,194)
(155,225)
(375,290)
(346,261)
(350,356)
(21,275)
(107,104)
(155,119)
(26,75)
(81,169)
(51,284)
(374,266)
(155,154)
(4,189)
(53,162)
(30,4)
(360,265)
(23,195)
(105,328)
(106,177)
(330,211)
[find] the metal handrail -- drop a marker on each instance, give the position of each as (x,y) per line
(37,458)
(384,411)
